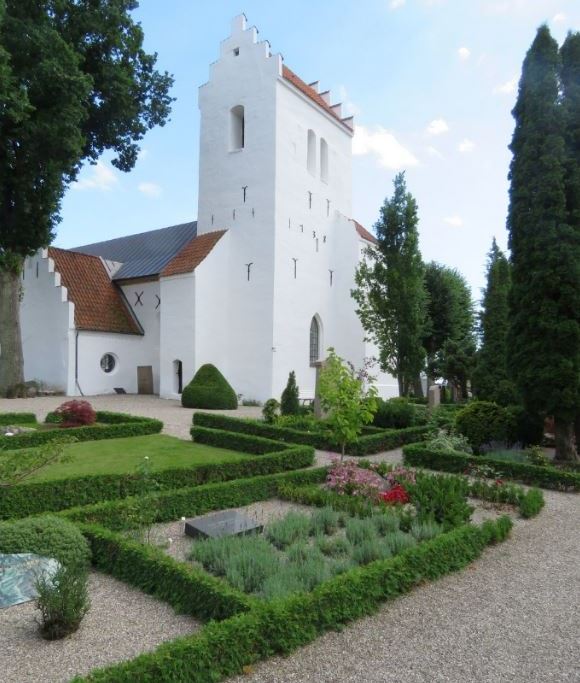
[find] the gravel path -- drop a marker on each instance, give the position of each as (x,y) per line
(510,617)
(122,623)
(176,420)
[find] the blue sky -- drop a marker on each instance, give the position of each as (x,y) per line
(431,84)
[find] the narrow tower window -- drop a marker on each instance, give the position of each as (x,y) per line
(237,127)
(314,340)
(323,160)
(311,158)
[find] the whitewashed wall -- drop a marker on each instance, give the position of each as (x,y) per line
(47,320)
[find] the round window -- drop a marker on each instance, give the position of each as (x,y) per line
(108,362)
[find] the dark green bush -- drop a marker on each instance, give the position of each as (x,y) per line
(47,536)
(209,389)
(289,403)
(482,422)
(270,410)
(524,428)
(17,418)
(441,499)
(281,626)
(420,455)
(396,413)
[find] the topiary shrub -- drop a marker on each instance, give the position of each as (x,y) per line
(524,428)
(74,414)
(48,536)
(209,389)
(396,413)
(482,422)
(289,403)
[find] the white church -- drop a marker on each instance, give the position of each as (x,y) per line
(259,285)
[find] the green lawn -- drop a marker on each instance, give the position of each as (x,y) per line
(119,456)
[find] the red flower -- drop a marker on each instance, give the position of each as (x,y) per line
(395,496)
(498,482)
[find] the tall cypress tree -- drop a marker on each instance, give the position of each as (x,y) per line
(544,335)
(490,378)
(570,54)
(390,289)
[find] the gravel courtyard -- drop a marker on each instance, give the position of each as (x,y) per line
(511,617)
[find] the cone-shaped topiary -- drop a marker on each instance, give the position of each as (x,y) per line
(289,403)
(209,389)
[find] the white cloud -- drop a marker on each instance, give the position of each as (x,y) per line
(507,88)
(103,177)
(382,143)
(454,221)
(395,4)
(466,145)
(150,189)
(559,18)
(464,53)
(434,152)
(437,126)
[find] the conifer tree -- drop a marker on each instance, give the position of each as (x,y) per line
(490,378)
(289,401)
(390,291)
(544,335)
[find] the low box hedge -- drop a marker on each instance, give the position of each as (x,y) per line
(112,426)
(420,455)
(17,418)
(373,442)
(224,648)
(51,496)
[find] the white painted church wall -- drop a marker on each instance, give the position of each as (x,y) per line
(47,323)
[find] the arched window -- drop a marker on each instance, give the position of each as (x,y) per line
(237,127)
(323,160)
(314,340)
(311,158)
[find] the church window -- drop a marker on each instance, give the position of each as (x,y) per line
(108,362)
(310,200)
(311,153)
(237,128)
(323,160)
(236,52)
(314,340)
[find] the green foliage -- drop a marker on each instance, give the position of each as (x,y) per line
(343,394)
(110,426)
(270,457)
(524,427)
(63,601)
(529,502)
(419,455)
(536,456)
(288,530)
(398,541)
(17,419)
(15,466)
(337,547)
(325,520)
(289,403)
(48,536)
(396,413)
(456,361)
(209,389)
(544,237)
(450,316)
(441,499)
(359,531)
(369,551)
(390,291)
(223,649)
(270,411)
(425,531)
(386,522)
(490,378)
(445,441)
(482,422)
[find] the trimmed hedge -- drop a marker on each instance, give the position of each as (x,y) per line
(420,455)
(113,426)
(529,502)
(374,442)
(209,389)
(194,501)
(17,418)
(279,627)
(28,499)
(187,589)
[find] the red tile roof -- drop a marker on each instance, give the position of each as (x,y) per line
(364,233)
(99,304)
(307,90)
(192,254)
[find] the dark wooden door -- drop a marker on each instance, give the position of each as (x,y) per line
(145,379)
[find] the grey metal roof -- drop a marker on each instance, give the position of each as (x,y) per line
(144,254)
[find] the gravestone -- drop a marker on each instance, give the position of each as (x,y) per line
(434,396)
(18,575)
(224,523)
